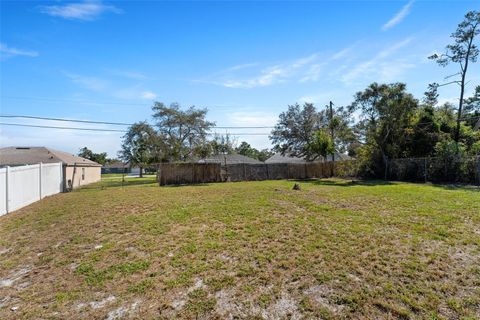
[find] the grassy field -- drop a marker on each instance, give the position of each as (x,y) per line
(250,250)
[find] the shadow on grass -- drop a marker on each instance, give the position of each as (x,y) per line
(206,184)
(346,183)
(450,186)
(351,183)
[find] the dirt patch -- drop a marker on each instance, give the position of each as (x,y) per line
(124,311)
(15,277)
(181,299)
(96,304)
(229,307)
(284,308)
(320,294)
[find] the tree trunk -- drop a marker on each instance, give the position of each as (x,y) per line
(462,91)
(332,133)
(460,106)
(141,172)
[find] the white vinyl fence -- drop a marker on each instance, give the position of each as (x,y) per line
(20,186)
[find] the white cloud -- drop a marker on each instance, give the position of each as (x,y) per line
(313,72)
(149,95)
(251,118)
(128,74)
(302,69)
(378,67)
(342,53)
(399,16)
(110,88)
(88,10)
(7,52)
(87,82)
(267,77)
(258,118)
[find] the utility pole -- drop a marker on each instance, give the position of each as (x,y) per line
(332,135)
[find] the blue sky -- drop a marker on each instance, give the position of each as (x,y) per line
(245,61)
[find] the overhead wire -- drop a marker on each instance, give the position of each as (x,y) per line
(113,130)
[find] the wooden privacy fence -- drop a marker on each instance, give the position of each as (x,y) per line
(188,173)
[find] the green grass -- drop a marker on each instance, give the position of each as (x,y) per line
(335,249)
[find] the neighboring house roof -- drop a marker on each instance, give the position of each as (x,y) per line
(229,159)
(279,158)
(14,156)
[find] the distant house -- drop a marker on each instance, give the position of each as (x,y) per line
(279,158)
(77,171)
(229,159)
(118,167)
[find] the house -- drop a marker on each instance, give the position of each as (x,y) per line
(117,167)
(229,159)
(279,158)
(77,171)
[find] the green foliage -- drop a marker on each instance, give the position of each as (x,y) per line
(247,150)
(141,145)
(463,51)
(386,112)
(86,153)
(223,144)
(182,131)
(296,129)
(321,144)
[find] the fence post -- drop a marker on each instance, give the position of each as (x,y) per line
(40,180)
(193,172)
(386,167)
(478,170)
(7,182)
(62,180)
(425,168)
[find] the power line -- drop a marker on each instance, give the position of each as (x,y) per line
(66,120)
(55,127)
(113,130)
(120,123)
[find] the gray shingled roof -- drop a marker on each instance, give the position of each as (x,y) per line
(278,158)
(14,156)
(229,159)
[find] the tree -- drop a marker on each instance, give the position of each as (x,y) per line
(183,132)
(386,111)
(296,129)
(247,150)
(425,133)
(223,144)
(340,129)
(463,51)
(472,109)
(264,154)
(86,153)
(430,96)
(141,146)
(321,144)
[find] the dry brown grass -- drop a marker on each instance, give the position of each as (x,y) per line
(255,250)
